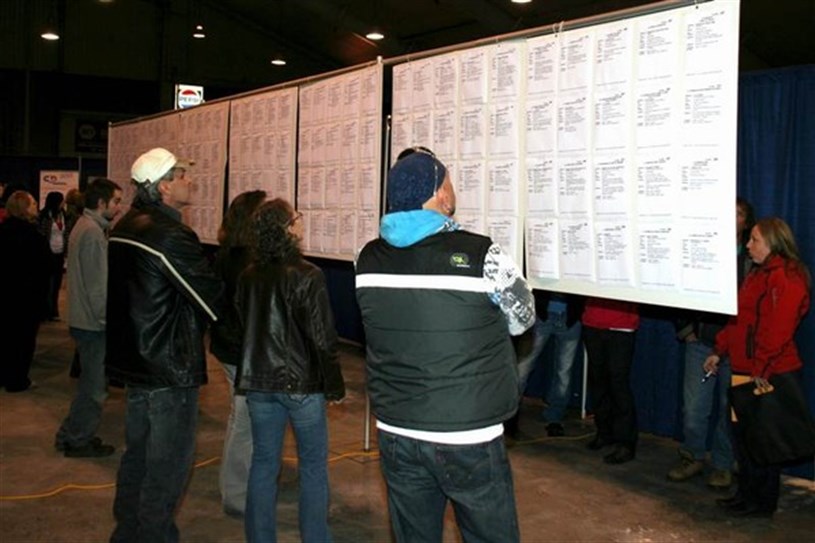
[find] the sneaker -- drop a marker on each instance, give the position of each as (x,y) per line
(555,429)
(720,479)
(687,468)
(89,450)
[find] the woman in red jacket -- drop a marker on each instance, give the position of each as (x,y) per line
(760,343)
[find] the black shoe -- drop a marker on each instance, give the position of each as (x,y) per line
(745,510)
(234,513)
(89,450)
(598,443)
(555,429)
(733,500)
(61,445)
(620,455)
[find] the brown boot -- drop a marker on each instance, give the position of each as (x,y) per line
(687,468)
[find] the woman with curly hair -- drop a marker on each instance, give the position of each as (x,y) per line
(289,369)
(226,338)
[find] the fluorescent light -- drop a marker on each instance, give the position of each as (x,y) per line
(199,33)
(375,35)
(49,35)
(279,61)
(521,1)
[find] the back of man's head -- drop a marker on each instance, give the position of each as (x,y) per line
(413,180)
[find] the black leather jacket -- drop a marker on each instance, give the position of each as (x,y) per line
(162,292)
(226,335)
(289,339)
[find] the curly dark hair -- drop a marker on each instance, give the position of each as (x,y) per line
(236,228)
(271,241)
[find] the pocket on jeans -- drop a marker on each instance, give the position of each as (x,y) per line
(297,398)
(467,466)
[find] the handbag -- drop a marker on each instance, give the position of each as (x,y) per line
(777,426)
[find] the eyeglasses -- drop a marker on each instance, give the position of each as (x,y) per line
(297,216)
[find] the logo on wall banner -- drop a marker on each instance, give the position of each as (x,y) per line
(57,181)
(188,96)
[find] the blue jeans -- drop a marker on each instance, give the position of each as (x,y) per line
(160,435)
(421,477)
(269,413)
(80,426)
(566,343)
(237,456)
(698,411)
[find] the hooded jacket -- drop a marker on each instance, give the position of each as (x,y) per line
(439,354)
(760,339)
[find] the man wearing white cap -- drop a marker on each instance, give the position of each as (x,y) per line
(161,295)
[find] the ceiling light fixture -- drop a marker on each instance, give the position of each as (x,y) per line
(521,1)
(51,27)
(199,33)
(278,60)
(375,35)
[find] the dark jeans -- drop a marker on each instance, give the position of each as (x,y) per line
(80,426)
(610,355)
(422,476)
(160,435)
(18,337)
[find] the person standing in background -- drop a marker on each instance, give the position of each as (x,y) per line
(52,226)
(162,292)
(24,279)
(87,305)
(700,391)
(760,342)
(558,319)
(226,340)
(609,331)
(74,206)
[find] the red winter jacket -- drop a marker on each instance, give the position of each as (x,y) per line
(760,339)
(607,314)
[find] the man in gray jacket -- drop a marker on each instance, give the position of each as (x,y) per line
(87,298)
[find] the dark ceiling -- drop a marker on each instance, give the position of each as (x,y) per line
(118,59)
(774,33)
(151,40)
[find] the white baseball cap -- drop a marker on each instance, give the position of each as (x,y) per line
(154,164)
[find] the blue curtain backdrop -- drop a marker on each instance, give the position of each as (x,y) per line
(776,173)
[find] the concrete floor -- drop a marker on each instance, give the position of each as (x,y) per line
(564,492)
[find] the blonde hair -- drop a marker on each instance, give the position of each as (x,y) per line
(780,240)
(19,205)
